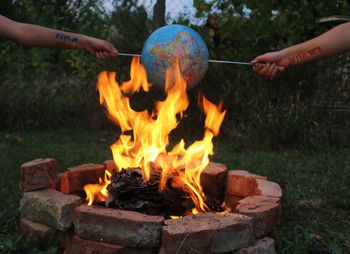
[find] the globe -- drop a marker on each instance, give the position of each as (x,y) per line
(172,42)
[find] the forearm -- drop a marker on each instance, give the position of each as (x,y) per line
(39,36)
(335,41)
(33,35)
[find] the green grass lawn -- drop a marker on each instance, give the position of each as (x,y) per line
(316,185)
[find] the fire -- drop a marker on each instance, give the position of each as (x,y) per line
(147,145)
(98,191)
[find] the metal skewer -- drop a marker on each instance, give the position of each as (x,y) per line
(210,61)
(228,62)
(127,54)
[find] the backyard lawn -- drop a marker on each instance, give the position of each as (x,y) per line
(316,185)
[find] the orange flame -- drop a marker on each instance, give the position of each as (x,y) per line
(147,145)
(98,191)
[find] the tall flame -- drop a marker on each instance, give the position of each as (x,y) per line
(147,145)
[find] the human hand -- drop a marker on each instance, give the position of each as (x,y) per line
(270,64)
(100,48)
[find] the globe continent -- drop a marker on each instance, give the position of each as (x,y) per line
(172,42)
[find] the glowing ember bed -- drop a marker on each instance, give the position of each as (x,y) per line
(150,198)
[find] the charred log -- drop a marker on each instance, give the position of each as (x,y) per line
(129,191)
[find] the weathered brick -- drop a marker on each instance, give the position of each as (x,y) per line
(243,184)
(49,207)
(231,202)
(38,174)
(77,177)
(64,237)
(259,200)
(268,188)
(126,228)
(265,245)
(110,165)
(58,182)
(34,232)
(265,212)
(206,233)
(213,180)
(82,246)
(245,172)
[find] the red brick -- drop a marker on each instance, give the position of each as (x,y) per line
(82,246)
(58,182)
(126,228)
(265,245)
(206,233)
(259,200)
(77,177)
(38,174)
(64,237)
(268,188)
(245,172)
(213,180)
(110,165)
(231,202)
(265,212)
(34,232)
(243,184)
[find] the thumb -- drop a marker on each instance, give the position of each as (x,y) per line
(265,58)
(110,48)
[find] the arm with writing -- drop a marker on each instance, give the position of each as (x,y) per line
(334,42)
(39,36)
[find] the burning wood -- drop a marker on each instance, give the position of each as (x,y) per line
(129,191)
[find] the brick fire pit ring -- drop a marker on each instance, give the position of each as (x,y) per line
(50,212)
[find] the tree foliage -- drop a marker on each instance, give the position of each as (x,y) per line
(293,109)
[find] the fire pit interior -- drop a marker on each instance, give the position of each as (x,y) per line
(150,198)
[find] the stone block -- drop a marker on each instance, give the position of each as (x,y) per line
(127,228)
(77,177)
(38,174)
(49,207)
(265,212)
(206,233)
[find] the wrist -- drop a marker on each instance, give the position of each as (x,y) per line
(286,54)
(83,42)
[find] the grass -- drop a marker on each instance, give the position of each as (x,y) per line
(316,185)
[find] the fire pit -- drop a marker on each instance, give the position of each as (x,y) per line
(150,198)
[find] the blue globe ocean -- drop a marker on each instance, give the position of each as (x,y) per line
(166,44)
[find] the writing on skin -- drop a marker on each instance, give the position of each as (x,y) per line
(305,54)
(64,40)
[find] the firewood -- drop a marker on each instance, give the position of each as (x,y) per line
(129,191)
